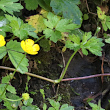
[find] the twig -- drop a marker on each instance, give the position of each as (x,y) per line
(88,9)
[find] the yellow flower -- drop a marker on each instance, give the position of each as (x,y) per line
(25,96)
(29,46)
(2,41)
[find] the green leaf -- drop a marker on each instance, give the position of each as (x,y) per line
(54,104)
(12,96)
(107,40)
(28,102)
(3,52)
(14,46)
(74,43)
(8,105)
(51,108)
(4,26)
(10,6)
(11,89)
(66,107)
(31,4)
(16,58)
(66,25)
(21,29)
(51,20)
(68,8)
(31,107)
(6,79)
(53,35)
(44,106)
(93,44)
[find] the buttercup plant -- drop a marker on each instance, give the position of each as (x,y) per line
(53,28)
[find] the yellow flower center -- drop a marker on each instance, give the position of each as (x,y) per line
(25,96)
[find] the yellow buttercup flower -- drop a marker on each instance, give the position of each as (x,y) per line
(25,96)
(29,46)
(2,41)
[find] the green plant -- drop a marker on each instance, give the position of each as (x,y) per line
(59,23)
(55,104)
(95,106)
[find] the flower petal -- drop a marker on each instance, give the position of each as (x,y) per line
(29,42)
(23,45)
(36,47)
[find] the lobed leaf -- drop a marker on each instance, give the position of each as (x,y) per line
(93,44)
(21,29)
(10,6)
(66,25)
(53,35)
(52,20)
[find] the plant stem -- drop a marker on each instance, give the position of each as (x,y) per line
(53,81)
(30,74)
(64,72)
(13,100)
(39,39)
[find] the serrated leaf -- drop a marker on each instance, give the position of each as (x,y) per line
(31,4)
(66,25)
(51,21)
(54,104)
(14,46)
(6,79)
(21,29)
(10,6)
(53,35)
(3,52)
(11,89)
(37,21)
(68,8)
(93,44)
(30,30)
(73,43)
(16,58)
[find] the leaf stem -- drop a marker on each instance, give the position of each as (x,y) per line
(39,39)
(64,72)
(30,74)
(13,100)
